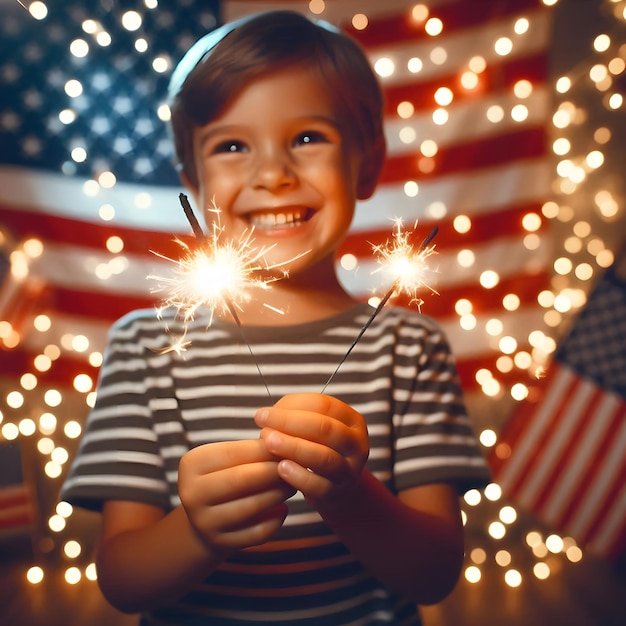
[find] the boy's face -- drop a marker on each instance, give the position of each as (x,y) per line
(278,159)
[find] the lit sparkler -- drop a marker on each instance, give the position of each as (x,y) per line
(407,266)
(219,275)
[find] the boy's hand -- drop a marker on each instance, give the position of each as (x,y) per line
(232,494)
(323,443)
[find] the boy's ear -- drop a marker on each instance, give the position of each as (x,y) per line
(370,169)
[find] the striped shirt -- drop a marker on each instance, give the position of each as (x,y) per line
(154,404)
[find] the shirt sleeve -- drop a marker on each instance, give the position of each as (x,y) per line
(118,457)
(434,441)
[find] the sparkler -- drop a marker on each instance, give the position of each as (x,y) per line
(407,266)
(219,275)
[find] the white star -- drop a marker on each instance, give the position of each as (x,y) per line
(122,145)
(101,81)
(143,166)
(122,105)
(144,126)
(100,125)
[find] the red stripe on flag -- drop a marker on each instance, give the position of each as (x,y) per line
(62,371)
(31,223)
(498,77)
(111,305)
(461,15)
(24,223)
(441,305)
(20,298)
(524,144)
(16,508)
(103,305)
(486,227)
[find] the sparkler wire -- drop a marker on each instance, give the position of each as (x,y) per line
(193,221)
(377,310)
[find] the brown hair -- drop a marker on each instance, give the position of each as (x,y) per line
(271,41)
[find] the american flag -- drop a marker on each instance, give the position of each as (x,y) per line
(477,176)
(561,455)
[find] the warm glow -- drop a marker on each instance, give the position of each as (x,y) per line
(131,20)
(489,279)
(513,578)
(493,492)
(72,549)
(503,558)
(34,575)
(488,438)
(433,26)
(508,515)
(472,574)
(472,497)
(541,570)
(554,543)
(497,530)
(73,575)
(384,67)
(462,224)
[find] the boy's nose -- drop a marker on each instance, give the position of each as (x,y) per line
(272,171)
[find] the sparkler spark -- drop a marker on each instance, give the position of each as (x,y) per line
(405,263)
(407,266)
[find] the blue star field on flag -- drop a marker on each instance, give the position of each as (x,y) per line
(115,117)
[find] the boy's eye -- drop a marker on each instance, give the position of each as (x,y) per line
(230,146)
(310,136)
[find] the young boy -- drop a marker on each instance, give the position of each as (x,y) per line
(319,509)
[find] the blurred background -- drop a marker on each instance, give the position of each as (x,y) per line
(506,129)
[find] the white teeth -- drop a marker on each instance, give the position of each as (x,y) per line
(271,220)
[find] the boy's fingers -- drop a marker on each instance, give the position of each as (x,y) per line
(322,404)
(259,531)
(212,457)
(312,485)
(232,483)
(310,426)
(321,459)
(241,513)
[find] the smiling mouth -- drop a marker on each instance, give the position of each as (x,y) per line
(281,218)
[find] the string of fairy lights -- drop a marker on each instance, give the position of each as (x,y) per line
(584,254)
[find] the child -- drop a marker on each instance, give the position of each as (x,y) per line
(319,509)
